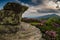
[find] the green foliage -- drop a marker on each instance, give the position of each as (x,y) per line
(52,23)
(49,26)
(55,19)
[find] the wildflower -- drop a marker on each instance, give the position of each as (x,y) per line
(51,33)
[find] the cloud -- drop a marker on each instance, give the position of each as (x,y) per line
(40,7)
(34,1)
(48,11)
(22,3)
(46,8)
(39,2)
(18,1)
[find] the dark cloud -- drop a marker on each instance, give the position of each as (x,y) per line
(48,11)
(36,2)
(58,0)
(32,2)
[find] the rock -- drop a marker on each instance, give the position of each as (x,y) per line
(22,31)
(8,17)
(26,32)
(17,8)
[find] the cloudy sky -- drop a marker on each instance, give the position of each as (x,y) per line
(37,7)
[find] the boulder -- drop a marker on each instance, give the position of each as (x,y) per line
(17,8)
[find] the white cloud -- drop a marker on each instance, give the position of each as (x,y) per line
(18,1)
(47,6)
(33,11)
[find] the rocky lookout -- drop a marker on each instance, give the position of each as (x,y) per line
(11,27)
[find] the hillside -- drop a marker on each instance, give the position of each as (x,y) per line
(50,27)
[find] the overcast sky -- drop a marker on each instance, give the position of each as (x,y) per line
(36,7)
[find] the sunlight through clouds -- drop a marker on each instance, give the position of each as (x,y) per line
(37,7)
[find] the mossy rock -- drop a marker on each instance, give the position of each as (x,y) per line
(16,7)
(8,17)
(12,13)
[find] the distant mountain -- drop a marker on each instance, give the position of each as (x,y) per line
(47,16)
(44,17)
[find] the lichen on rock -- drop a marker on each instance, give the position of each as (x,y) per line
(11,27)
(26,32)
(17,8)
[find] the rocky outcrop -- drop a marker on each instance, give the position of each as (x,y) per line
(25,32)
(8,28)
(13,11)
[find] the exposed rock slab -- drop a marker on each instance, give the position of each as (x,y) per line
(26,32)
